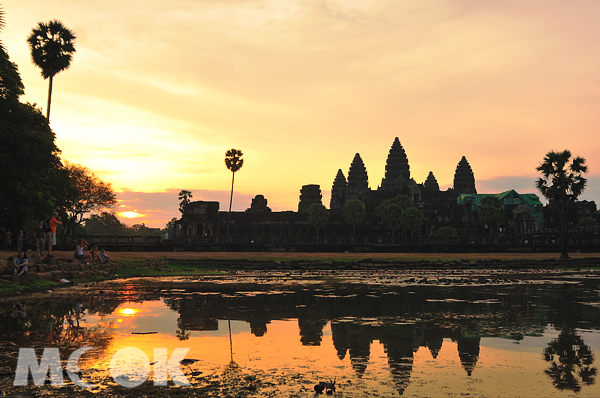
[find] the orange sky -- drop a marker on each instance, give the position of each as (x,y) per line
(158,91)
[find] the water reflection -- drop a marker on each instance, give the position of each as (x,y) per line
(570,362)
(338,329)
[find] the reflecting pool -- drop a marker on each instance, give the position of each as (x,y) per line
(281,337)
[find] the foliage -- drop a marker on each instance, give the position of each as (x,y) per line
(404,201)
(169,228)
(233,160)
(412,219)
(318,216)
(354,213)
(490,212)
(587,222)
(92,195)
(447,234)
(562,182)
(105,223)
(32,178)
(570,362)
(391,214)
(143,230)
(184,199)
(52,48)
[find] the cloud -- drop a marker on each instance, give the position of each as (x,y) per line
(158,208)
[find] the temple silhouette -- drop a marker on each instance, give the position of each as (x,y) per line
(455,207)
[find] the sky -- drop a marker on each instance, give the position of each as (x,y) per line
(158,91)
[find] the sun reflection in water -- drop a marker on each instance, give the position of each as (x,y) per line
(128,311)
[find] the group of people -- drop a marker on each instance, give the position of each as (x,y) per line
(44,233)
(91,257)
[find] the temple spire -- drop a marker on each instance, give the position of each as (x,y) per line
(338,191)
(358,181)
(431,183)
(397,169)
(464,179)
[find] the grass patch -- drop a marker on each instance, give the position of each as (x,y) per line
(7,288)
(135,268)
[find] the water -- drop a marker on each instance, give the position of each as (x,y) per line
(374,338)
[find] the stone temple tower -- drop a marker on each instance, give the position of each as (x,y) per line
(309,194)
(358,181)
(431,183)
(338,192)
(397,170)
(464,179)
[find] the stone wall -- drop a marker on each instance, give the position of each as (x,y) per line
(54,269)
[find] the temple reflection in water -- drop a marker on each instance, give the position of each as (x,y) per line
(401,319)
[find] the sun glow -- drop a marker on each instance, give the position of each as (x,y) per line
(130,214)
(128,311)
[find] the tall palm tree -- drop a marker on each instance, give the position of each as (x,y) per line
(2,23)
(234,162)
(52,48)
(562,183)
(184,199)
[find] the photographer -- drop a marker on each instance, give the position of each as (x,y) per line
(54,221)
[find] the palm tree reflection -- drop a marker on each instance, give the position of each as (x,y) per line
(570,362)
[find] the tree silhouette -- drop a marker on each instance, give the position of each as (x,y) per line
(234,162)
(52,47)
(570,362)
(391,214)
(2,23)
(490,212)
(184,199)
(412,219)
(562,183)
(318,216)
(354,213)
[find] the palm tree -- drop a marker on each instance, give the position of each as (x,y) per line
(562,183)
(184,199)
(52,47)
(234,162)
(570,362)
(2,23)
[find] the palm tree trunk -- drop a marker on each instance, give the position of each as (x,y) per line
(230,201)
(49,98)
(563,244)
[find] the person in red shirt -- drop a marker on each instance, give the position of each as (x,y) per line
(54,221)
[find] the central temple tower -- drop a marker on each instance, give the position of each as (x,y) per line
(397,170)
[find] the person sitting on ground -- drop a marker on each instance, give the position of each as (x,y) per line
(103,257)
(20,264)
(79,248)
(19,311)
(95,254)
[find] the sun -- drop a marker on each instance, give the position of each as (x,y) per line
(130,214)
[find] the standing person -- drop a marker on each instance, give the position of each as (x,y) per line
(40,237)
(54,221)
(8,239)
(20,240)
(25,242)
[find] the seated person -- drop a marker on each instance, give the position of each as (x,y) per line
(95,254)
(19,311)
(79,248)
(20,264)
(103,257)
